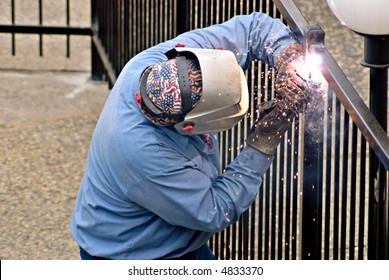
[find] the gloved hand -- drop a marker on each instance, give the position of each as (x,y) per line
(293,85)
(273,121)
(294,91)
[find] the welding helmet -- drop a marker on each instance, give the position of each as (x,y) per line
(221,103)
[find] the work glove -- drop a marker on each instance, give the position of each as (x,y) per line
(294,91)
(293,85)
(273,121)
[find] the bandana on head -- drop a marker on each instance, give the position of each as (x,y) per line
(163,89)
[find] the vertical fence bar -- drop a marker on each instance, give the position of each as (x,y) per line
(280,202)
(136,30)
(295,253)
(336,156)
(126,32)
(163,22)
(362,204)
(114,52)
(267,214)
(154,21)
(68,24)
(183,16)
(343,210)
(97,65)
(312,183)
(326,190)
(316,138)
(120,35)
(114,41)
(40,8)
(131,29)
(13,19)
(353,171)
(203,13)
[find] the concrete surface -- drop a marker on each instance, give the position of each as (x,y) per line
(48,110)
(46,122)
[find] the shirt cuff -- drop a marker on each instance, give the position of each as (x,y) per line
(256,158)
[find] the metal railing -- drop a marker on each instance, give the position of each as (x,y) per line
(15,28)
(322,197)
(372,222)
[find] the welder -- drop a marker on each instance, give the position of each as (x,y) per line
(153,188)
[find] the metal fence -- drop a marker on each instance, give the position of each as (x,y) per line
(326,194)
(13,26)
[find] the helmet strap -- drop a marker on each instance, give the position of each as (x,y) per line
(184,83)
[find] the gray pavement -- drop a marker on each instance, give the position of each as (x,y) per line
(47,119)
(48,110)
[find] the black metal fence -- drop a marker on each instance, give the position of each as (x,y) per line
(39,28)
(326,194)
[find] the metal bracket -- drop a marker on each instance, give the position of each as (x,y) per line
(313,38)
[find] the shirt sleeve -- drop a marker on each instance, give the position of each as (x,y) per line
(185,196)
(250,37)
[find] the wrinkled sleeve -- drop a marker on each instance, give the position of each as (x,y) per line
(251,37)
(185,196)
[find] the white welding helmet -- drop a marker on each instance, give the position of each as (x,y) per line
(224,96)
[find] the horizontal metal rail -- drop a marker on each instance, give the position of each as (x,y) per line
(344,90)
(40,29)
(64,30)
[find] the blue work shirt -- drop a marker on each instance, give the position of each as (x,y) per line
(149,192)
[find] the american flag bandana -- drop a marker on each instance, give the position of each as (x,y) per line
(163,88)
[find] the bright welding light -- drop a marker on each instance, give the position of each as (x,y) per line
(309,68)
(313,62)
